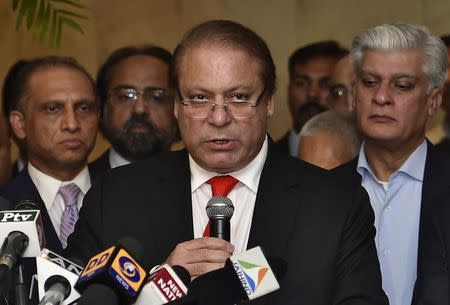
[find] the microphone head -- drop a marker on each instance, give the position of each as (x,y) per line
(219,207)
(133,246)
(27,205)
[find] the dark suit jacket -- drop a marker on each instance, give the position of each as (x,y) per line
(101,165)
(319,223)
(444,145)
(23,188)
(283,143)
(433,277)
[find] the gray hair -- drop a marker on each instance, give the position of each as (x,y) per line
(404,36)
(338,124)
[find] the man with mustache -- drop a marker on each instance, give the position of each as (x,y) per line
(137,103)
(310,68)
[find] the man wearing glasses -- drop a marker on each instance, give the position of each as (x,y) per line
(137,103)
(321,224)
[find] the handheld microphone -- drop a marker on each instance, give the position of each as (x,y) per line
(26,219)
(166,284)
(117,268)
(56,278)
(219,209)
(12,251)
(245,277)
(22,236)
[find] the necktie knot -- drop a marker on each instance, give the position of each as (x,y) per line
(222,185)
(69,193)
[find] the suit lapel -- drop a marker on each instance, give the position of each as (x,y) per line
(175,185)
(29,191)
(275,206)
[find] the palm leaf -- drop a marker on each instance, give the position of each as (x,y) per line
(47,18)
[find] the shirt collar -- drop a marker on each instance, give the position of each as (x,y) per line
(414,166)
(249,175)
(115,159)
(48,186)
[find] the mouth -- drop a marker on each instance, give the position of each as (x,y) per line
(72,143)
(139,128)
(221,144)
(381,118)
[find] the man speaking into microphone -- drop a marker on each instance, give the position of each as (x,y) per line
(320,223)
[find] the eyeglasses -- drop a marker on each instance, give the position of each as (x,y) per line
(155,96)
(237,106)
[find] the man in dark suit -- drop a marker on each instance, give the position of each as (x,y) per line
(55,114)
(225,80)
(310,69)
(137,103)
(400,73)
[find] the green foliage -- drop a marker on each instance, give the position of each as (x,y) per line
(46,18)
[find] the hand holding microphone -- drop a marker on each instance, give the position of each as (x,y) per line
(202,255)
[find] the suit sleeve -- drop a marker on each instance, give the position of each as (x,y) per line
(432,284)
(86,240)
(358,272)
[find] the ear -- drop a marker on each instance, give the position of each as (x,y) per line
(270,106)
(17,120)
(434,101)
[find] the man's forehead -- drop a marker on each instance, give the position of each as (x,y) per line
(395,62)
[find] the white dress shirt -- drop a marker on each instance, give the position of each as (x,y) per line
(115,159)
(243,196)
(48,188)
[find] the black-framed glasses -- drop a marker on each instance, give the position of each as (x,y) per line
(129,95)
(237,106)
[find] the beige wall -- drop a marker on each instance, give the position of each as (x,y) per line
(284,24)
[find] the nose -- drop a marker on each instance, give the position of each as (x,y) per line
(313,89)
(140,106)
(382,95)
(219,115)
(70,120)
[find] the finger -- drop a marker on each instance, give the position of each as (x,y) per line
(202,268)
(210,243)
(207,256)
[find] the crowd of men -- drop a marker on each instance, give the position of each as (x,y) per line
(354,198)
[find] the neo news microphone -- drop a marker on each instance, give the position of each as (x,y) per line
(166,284)
(117,268)
(56,278)
(246,276)
(219,209)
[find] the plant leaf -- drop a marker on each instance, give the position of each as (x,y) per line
(59,33)
(52,35)
(38,23)
(31,12)
(72,14)
(21,14)
(72,24)
(72,3)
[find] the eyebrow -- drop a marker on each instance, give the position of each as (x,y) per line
(395,76)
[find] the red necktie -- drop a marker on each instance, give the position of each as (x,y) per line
(220,186)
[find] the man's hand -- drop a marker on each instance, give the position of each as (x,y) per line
(201,255)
